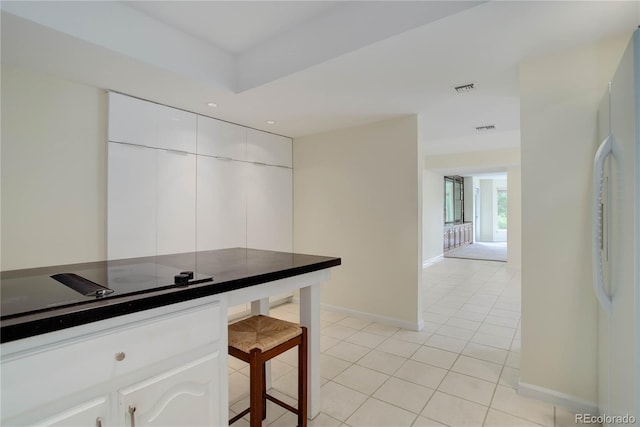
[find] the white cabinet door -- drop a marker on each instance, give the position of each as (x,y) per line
(221,139)
(270,208)
(92,413)
(135,121)
(186,396)
(132,120)
(264,147)
(176,129)
(221,204)
(131,201)
(176,202)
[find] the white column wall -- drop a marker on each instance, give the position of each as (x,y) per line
(357,195)
(432,214)
(559,100)
(514,216)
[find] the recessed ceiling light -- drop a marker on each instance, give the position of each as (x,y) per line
(212,104)
(271,122)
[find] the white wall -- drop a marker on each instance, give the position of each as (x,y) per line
(432,214)
(474,162)
(514,217)
(53,171)
(357,195)
(559,99)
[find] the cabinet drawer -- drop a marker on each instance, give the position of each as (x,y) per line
(132,120)
(264,147)
(221,139)
(28,380)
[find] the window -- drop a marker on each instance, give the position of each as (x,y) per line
(453,200)
(502,209)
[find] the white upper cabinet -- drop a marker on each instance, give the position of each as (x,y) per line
(132,120)
(264,147)
(180,182)
(221,139)
(135,121)
(176,129)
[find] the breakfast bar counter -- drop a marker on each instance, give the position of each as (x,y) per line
(141,340)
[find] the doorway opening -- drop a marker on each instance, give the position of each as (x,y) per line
(486,212)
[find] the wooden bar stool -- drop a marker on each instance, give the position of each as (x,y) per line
(258,339)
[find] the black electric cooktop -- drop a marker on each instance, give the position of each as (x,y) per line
(72,285)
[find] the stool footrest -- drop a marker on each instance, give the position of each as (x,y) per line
(240,415)
(281,403)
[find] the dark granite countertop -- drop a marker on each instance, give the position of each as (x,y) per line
(34,303)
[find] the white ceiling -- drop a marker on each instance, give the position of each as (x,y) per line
(314,66)
(233,26)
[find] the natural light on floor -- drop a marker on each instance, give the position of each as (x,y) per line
(462,369)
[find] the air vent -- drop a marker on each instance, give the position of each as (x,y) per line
(465,88)
(485,128)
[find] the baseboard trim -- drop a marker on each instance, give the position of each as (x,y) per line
(572,403)
(389,321)
(426,262)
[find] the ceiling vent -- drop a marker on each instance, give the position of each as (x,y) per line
(485,128)
(465,88)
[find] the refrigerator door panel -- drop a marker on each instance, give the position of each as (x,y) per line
(619,331)
(604,130)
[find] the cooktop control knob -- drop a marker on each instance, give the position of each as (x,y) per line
(181,278)
(188,273)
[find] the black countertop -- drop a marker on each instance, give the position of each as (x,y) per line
(34,303)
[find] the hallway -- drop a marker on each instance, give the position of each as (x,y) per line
(460,370)
(490,251)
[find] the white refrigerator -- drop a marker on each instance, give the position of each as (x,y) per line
(616,240)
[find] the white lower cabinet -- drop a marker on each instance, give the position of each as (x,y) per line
(169,365)
(270,211)
(151,201)
(270,208)
(176,202)
(91,413)
(221,204)
(185,396)
(131,201)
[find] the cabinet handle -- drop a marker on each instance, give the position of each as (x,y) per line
(132,414)
(98,422)
(169,150)
(260,164)
(226,159)
(120,356)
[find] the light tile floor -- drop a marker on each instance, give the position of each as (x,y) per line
(462,369)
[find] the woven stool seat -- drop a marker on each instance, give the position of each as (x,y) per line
(262,333)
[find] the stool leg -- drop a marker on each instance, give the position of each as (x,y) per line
(256,369)
(302,380)
(264,391)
